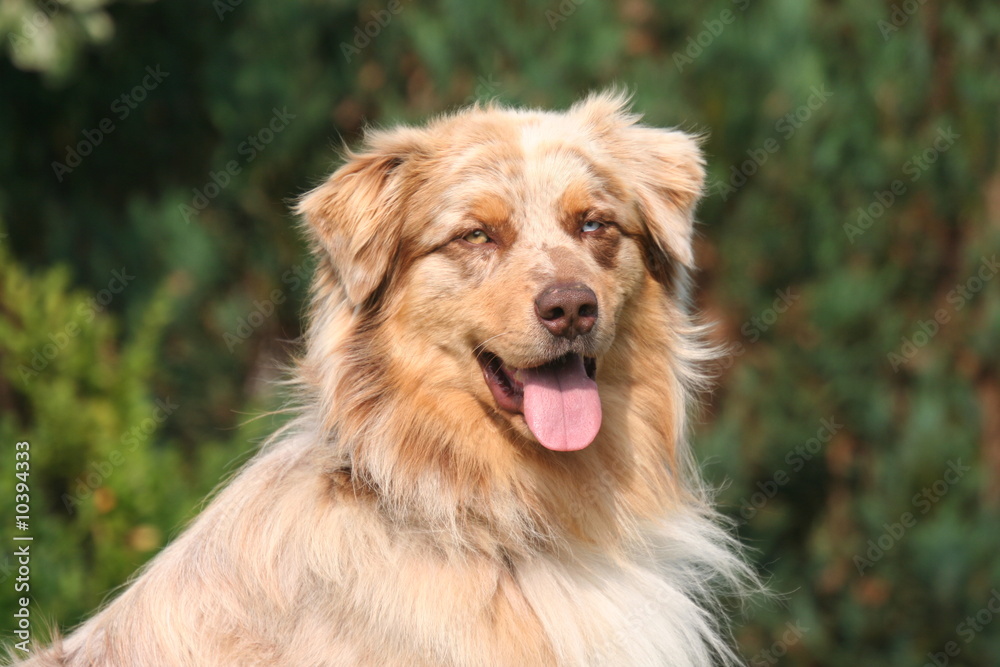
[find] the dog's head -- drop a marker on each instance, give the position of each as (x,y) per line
(516,258)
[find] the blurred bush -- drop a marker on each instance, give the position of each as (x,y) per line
(106,489)
(847,244)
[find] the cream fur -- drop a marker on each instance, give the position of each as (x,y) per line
(402,518)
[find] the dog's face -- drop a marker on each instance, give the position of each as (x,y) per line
(504,251)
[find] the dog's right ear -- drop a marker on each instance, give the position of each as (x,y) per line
(356,216)
(664,170)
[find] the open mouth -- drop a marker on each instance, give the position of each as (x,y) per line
(559,399)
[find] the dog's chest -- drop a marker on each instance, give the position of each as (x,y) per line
(608,613)
(540,612)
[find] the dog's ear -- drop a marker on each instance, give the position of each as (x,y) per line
(669,178)
(664,169)
(357,215)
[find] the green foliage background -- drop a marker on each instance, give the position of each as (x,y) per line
(214,297)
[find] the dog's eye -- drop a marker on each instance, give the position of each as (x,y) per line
(477,236)
(591,226)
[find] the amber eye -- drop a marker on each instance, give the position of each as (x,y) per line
(477,236)
(591,226)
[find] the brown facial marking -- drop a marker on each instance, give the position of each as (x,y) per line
(657,262)
(578,205)
(574,204)
(604,247)
(493,213)
(491,209)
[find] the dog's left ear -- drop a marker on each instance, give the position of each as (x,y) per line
(357,215)
(665,171)
(668,180)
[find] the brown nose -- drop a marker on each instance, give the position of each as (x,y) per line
(567,310)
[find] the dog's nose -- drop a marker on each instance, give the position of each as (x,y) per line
(567,310)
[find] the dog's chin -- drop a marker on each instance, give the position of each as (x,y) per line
(555,403)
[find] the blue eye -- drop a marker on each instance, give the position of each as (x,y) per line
(591,226)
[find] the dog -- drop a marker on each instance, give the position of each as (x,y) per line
(490,464)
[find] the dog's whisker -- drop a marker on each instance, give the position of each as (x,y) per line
(479,349)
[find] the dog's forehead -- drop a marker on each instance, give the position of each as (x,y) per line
(514,149)
(529,170)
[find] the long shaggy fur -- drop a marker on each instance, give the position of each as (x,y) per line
(403,518)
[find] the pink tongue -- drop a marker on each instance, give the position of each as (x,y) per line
(561,404)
